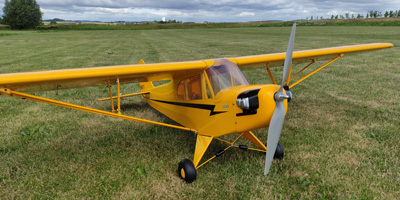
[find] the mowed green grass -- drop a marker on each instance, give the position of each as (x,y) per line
(341,133)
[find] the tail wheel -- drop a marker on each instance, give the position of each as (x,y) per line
(187,171)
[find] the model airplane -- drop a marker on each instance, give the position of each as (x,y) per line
(211,98)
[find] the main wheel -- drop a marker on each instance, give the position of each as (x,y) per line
(187,171)
(279,152)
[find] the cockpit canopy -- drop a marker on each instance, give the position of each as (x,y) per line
(224,74)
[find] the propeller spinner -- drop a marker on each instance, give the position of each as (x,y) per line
(275,126)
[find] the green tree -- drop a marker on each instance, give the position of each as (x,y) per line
(22,14)
(386,14)
(376,14)
(371,14)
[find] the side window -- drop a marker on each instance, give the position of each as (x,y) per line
(190,88)
(194,87)
(181,89)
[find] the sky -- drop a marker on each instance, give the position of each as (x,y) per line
(206,10)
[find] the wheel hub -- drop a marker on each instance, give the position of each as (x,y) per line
(183,173)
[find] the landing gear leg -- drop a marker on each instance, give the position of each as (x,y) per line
(187,168)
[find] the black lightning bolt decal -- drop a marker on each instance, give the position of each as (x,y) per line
(193,105)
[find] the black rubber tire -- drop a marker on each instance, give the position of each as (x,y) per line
(187,171)
(279,153)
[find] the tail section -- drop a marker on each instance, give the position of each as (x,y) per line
(145,86)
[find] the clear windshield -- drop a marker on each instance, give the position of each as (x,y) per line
(224,74)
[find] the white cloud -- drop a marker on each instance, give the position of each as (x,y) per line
(206,10)
(246,14)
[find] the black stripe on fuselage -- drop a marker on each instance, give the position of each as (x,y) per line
(192,105)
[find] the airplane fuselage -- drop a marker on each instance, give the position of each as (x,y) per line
(198,107)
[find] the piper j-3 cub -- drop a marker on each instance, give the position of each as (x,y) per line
(211,98)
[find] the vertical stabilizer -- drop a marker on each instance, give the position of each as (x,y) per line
(145,86)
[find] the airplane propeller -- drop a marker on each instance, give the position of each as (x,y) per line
(275,127)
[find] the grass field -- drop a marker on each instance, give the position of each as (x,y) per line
(341,134)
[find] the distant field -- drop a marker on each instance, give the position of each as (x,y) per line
(341,135)
(69,25)
(73,25)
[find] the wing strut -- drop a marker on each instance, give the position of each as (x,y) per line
(122,96)
(119,97)
(270,75)
(112,102)
(315,71)
(312,62)
(86,109)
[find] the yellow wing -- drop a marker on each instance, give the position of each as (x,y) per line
(97,76)
(277,59)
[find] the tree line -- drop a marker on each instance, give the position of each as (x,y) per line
(21,14)
(369,15)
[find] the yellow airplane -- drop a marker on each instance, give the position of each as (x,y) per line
(211,98)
